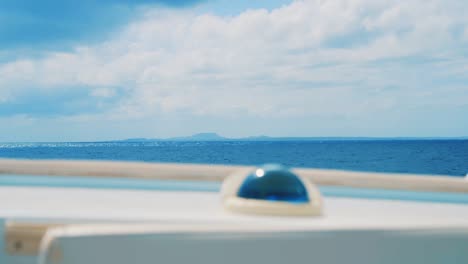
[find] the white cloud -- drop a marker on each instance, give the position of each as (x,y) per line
(103,92)
(326,58)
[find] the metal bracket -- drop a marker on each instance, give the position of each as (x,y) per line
(24,239)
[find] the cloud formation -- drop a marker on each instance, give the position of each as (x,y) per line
(334,67)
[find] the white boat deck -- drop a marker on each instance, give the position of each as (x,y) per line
(107,218)
(93,205)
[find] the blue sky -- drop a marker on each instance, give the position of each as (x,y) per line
(100,70)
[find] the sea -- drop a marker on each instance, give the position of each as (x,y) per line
(434,157)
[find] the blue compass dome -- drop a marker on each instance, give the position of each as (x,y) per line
(273,182)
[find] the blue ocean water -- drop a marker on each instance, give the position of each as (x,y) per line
(443,157)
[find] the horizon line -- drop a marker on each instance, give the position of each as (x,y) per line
(257,138)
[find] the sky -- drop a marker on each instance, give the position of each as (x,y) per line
(113,69)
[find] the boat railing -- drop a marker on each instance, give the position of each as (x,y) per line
(217,173)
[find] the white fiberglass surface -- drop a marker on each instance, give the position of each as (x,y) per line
(79,204)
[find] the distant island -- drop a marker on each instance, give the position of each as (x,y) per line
(216,137)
